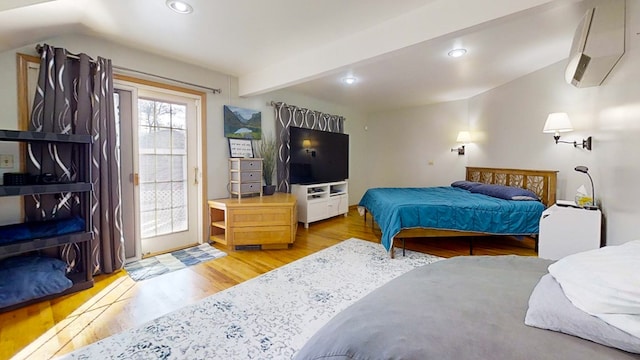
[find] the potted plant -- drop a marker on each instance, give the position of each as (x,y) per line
(267,150)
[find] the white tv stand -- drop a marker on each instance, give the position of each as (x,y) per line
(321,201)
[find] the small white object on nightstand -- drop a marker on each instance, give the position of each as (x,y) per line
(566,230)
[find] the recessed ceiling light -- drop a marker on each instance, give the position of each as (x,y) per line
(457,52)
(349,80)
(180,7)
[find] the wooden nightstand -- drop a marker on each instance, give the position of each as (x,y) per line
(568,230)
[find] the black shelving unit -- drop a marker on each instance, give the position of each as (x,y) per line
(81,275)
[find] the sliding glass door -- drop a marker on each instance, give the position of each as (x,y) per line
(164,170)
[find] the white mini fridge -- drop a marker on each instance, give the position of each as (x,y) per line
(566,230)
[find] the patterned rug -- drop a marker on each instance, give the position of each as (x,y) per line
(165,263)
(268,317)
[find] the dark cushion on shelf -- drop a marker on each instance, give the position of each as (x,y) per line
(40,229)
(25,278)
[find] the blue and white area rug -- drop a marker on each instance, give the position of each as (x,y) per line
(165,263)
(268,317)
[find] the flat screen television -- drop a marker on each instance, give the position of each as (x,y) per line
(317,156)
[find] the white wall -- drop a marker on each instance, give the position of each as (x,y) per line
(217,146)
(412,147)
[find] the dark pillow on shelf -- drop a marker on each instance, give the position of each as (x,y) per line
(463,184)
(33,263)
(25,278)
(505,192)
(40,229)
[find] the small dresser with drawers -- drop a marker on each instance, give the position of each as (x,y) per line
(245,176)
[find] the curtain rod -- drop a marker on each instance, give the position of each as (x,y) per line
(213,90)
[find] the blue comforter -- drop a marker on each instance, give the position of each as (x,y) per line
(449,208)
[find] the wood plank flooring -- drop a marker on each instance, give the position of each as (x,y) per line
(52,328)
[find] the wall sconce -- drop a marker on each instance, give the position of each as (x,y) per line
(306,144)
(559,122)
(463,137)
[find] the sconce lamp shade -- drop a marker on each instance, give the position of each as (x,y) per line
(557,123)
(463,137)
(306,143)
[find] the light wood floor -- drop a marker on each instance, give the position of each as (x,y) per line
(116,303)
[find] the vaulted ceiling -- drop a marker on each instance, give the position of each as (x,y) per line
(397,50)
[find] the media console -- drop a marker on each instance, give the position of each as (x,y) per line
(321,201)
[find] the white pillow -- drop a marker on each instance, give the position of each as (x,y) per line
(550,309)
(605,283)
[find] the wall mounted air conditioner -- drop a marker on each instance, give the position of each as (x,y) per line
(597,45)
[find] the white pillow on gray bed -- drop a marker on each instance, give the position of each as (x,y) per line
(604,282)
(550,309)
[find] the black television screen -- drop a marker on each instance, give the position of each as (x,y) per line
(317,156)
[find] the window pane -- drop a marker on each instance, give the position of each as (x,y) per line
(146,139)
(147,168)
(180,219)
(147,224)
(147,197)
(163,195)
(179,141)
(179,168)
(163,114)
(163,168)
(146,112)
(179,118)
(164,222)
(179,194)
(163,141)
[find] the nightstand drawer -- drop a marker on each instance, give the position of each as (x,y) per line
(246,188)
(244,165)
(246,176)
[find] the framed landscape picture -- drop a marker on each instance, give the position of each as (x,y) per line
(240,123)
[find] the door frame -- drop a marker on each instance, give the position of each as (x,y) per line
(128,82)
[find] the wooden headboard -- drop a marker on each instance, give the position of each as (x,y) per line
(541,182)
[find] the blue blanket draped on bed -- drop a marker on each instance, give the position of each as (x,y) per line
(449,208)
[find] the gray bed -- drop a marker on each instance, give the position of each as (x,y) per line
(461,308)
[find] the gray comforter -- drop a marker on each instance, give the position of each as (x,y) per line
(461,308)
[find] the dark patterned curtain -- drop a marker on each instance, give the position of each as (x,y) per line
(290,115)
(75,96)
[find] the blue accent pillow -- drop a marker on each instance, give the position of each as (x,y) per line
(30,277)
(505,192)
(463,184)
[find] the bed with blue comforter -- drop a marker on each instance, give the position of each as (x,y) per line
(481,205)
